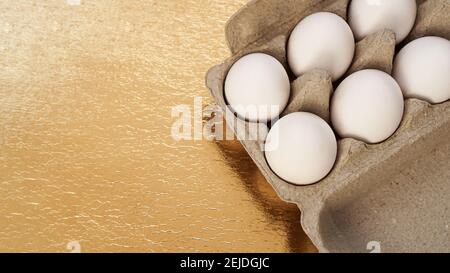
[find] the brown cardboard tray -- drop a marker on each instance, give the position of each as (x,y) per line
(393,195)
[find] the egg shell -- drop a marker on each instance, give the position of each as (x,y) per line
(301,148)
(369,16)
(422,69)
(257,87)
(368,105)
(324,41)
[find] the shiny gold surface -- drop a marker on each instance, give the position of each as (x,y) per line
(86,155)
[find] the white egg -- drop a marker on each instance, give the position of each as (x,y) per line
(322,40)
(369,16)
(301,148)
(368,105)
(422,69)
(257,87)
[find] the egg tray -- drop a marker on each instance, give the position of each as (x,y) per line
(393,195)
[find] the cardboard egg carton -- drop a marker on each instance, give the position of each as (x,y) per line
(392,196)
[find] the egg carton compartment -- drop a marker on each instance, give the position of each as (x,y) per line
(394,193)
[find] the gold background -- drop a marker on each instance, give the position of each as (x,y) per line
(86,93)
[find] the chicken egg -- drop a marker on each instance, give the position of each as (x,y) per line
(324,41)
(368,105)
(422,69)
(257,88)
(301,148)
(369,16)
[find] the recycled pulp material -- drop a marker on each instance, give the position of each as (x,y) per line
(395,194)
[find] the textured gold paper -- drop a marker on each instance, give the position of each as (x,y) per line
(86,155)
